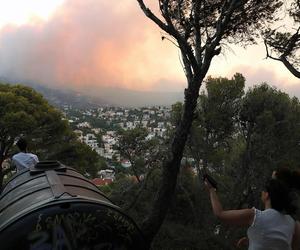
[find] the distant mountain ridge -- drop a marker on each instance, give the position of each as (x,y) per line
(72,98)
(135,98)
(60,98)
(102,96)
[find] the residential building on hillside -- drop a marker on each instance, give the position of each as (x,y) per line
(126,163)
(107,174)
(84,125)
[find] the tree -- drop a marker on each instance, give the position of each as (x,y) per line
(284,46)
(199,29)
(80,156)
(140,151)
(216,119)
(24,112)
(270,127)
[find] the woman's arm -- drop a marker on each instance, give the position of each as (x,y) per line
(241,217)
(296,237)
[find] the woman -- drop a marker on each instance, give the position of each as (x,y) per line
(271,229)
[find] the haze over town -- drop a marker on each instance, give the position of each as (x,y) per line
(108,48)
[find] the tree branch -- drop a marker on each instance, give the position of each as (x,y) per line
(154,18)
(190,201)
(283,58)
(140,191)
(292,43)
(268,54)
(290,67)
(170,29)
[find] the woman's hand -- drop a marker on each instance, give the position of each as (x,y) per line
(208,186)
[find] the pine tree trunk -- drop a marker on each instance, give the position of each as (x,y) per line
(1,174)
(171,167)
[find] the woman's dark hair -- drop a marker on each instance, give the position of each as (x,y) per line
(290,177)
(282,190)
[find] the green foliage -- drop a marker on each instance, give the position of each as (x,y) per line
(176,113)
(81,157)
(24,112)
(269,120)
(102,163)
(132,140)
(270,126)
(216,117)
(189,223)
(106,189)
(217,111)
(22,104)
(135,147)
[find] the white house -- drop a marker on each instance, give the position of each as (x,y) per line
(126,164)
(107,174)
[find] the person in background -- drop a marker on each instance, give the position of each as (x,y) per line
(23,159)
(273,228)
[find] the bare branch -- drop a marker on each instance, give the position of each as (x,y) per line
(140,191)
(170,29)
(288,49)
(154,18)
(268,54)
(290,67)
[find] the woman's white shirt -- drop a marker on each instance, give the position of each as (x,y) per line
(271,230)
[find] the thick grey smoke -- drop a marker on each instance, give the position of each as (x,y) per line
(88,44)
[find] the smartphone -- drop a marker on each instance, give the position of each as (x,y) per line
(211,180)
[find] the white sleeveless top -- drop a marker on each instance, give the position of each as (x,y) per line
(271,230)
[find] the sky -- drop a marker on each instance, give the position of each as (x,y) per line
(92,44)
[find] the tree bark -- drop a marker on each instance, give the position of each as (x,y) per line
(1,174)
(171,167)
(290,67)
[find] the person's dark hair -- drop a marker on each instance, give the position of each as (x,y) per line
(282,191)
(22,144)
(290,177)
(279,195)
